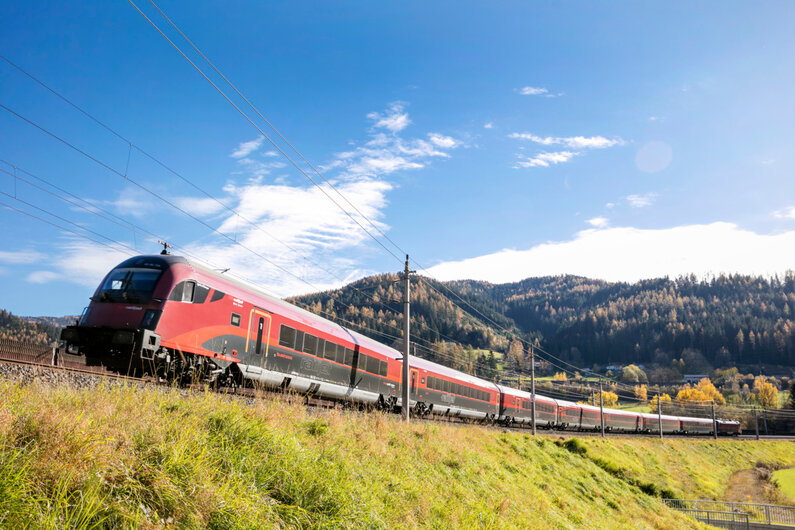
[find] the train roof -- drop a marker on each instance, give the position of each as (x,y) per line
(524,394)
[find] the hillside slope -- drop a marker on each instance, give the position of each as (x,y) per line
(723,321)
(131,457)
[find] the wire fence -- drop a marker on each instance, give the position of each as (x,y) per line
(770,514)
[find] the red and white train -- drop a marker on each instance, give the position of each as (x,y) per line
(174,318)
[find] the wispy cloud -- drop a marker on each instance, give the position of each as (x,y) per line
(536,91)
(598,222)
(246,148)
(574,142)
(395,118)
(544,159)
(440,140)
(20,257)
(199,206)
(641,201)
(630,254)
(488,125)
(786,213)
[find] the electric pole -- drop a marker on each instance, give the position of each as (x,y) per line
(601,409)
(533,386)
(756,421)
(406,340)
(659,415)
(714,423)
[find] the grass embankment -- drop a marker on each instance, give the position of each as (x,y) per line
(785,480)
(126,457)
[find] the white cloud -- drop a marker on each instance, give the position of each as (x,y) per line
(132,201)
(82,262)
(42,276)
(199,206)
(300,216)
(488,125)
(446,142)
(598,222)
(641,201)
(630,254)
(533,91)
(19,257)
(574,142)
(610,205)
(395,118)
(786,213)
(544,159)
(246,148)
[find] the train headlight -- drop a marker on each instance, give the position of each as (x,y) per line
(151,317)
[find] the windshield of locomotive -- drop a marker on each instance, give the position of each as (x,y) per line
(133,285)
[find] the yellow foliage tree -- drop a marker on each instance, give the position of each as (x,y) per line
(641,394)
(653,402)
(560,376)
(609,399)
(766,393)
(707,388)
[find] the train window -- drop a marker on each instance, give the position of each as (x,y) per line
(176,292)
(321,345)
(448,386)
(330,351)
(201,294)
(217,295)
(187,291)
(235,320)
(348,357)
(299,340)
(310,344)
(422,380)
(340,357)
(287,336)
(362,361)
(372,365)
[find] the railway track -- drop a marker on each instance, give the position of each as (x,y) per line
(45,357)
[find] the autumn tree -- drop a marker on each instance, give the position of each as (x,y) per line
(609,399)
(641,394)
(560,376)
(633,374)
(704,391)
(664,398)
(765,393)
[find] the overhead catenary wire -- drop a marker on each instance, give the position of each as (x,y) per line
(279,134)
(132,145)
(266,136)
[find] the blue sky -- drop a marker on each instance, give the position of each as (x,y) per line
(618,140)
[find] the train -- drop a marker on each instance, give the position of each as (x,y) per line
(175,319)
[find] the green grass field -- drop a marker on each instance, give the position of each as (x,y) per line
(137,458)
(785,478)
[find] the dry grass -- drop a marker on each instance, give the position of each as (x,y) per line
(136,458)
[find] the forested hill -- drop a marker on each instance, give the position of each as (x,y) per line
(44,331)
(728,320)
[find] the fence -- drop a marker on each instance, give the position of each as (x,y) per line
(770,514)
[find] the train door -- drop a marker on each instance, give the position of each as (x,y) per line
(415,377)
(259,329)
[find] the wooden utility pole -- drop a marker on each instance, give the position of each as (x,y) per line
(601,409)
(533,386)
(714,423)
(406,396)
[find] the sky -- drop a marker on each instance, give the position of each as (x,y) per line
(619,140)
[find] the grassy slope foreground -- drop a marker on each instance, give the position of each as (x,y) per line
(127,457)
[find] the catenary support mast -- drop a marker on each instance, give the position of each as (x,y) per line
(532,386)
(406,397)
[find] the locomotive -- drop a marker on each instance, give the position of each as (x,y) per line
(175,319)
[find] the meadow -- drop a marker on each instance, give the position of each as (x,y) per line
(132,457)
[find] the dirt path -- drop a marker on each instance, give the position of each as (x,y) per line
(753,485)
